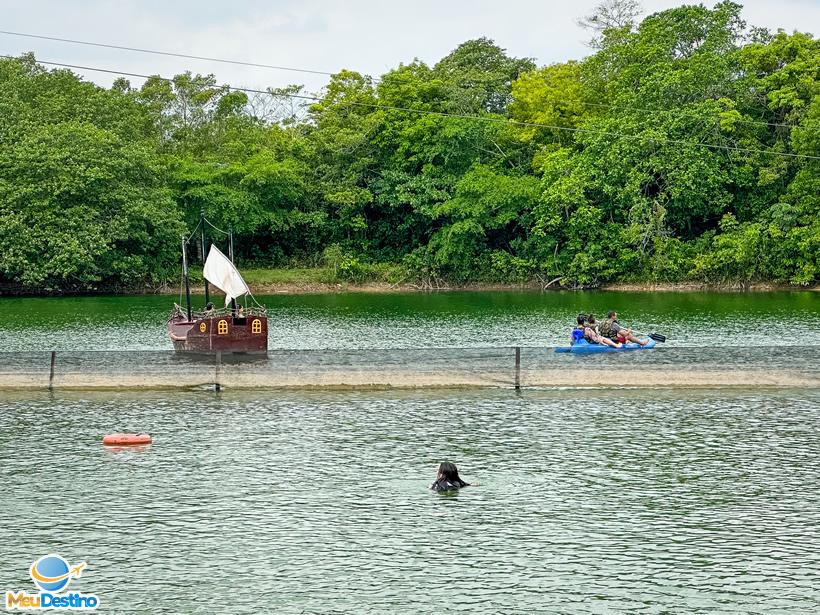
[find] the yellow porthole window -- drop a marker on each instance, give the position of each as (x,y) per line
(203,327)
(222,327)
(256,326)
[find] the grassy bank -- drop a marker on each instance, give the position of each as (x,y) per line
(301,280)
(328,280)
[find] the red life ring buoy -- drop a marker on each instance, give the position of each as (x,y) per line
(126,439)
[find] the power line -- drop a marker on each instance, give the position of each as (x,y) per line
(481,118)
(305,70)
(161,78)
(168,53)
(757,122)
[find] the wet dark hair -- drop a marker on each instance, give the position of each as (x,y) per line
(581,319)
(448,478)
(449,471)
(612,314)
(591,319)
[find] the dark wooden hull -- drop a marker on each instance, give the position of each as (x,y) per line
(224,334)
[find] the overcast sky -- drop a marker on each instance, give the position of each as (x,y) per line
(370,36)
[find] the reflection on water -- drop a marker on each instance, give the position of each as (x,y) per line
(131,448)
(639,501)
(418,320)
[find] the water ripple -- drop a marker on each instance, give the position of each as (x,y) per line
(620,501)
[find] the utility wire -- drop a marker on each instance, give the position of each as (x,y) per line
(481,118)
(757,122)
(304,70)
(167,53)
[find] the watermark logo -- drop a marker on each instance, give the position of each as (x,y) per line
(52,575)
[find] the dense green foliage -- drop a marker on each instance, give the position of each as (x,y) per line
(682,149)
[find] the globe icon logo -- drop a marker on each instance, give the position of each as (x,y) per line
(52,573)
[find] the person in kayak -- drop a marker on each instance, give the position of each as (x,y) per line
(448,478)
(615,331)
(578,331)
(593,337)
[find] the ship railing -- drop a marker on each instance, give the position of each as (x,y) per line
(219,312)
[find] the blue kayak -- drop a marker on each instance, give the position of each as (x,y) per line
(584,347)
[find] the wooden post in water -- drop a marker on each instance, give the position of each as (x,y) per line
(51,371)
(216,375)
(518,368)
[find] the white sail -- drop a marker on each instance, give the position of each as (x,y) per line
(220,272)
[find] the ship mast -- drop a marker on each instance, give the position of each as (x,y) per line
(230,255)
(204,253)
(185,275)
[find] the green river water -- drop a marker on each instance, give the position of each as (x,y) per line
(590,501)
(419,320)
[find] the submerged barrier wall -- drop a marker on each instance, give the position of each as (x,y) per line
(511,367)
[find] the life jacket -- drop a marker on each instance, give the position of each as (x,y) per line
(606,329)
(577,334)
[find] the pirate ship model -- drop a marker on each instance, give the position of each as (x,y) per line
(228,329)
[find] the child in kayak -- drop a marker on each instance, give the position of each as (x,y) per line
(578,331)
(593,337)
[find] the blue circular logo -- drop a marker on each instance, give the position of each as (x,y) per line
(50,573)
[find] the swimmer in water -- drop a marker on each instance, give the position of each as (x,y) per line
(448,478)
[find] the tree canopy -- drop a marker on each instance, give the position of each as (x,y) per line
(686,147)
